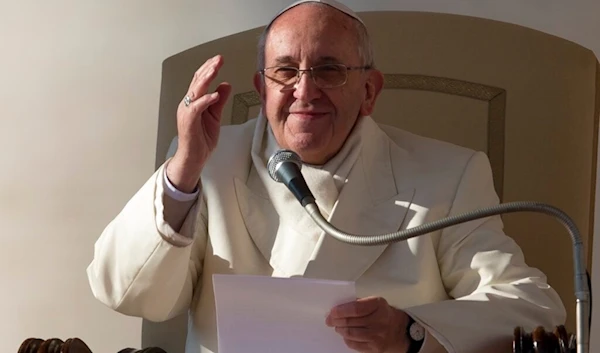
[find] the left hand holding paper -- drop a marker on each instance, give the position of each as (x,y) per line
(370,325)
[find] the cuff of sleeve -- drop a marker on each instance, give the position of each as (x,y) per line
(174,193)
(164,228)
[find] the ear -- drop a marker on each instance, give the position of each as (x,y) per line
(373,85)
(259,85)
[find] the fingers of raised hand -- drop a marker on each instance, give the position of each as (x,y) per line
(200,83)
(201,104)
(204,76)
(224,90)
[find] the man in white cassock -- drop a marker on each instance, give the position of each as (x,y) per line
(212,208)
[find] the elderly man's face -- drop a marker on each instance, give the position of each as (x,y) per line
(312,121)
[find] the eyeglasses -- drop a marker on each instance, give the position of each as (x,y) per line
(324,76)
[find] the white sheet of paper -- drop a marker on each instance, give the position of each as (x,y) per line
(257,314)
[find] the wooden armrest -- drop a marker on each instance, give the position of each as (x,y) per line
(71,345)
(540,341)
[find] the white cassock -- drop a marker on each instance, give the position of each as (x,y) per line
(468,284)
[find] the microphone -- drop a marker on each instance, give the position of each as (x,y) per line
(284,166)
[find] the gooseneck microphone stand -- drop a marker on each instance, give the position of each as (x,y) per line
(284,167)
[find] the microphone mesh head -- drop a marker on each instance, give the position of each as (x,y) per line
(279,157)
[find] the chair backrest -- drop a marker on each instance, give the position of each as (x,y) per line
(528,99)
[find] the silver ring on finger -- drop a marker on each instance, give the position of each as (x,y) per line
(187,101)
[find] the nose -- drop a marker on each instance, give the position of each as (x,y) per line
(305,89)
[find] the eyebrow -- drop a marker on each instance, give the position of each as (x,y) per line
(288,59)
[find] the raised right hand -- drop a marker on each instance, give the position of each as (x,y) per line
(198,126)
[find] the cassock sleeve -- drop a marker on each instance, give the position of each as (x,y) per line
(142,266)
(485,273)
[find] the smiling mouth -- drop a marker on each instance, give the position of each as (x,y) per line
(308,115)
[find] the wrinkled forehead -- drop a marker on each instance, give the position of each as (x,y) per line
(313,34)
(330,40)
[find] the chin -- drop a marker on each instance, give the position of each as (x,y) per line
(311,154)
(306,142)
(310,146)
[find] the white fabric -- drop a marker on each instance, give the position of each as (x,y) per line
(468,284)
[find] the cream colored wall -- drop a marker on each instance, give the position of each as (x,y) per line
(78,113)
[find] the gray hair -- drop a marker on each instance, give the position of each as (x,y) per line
(365,48)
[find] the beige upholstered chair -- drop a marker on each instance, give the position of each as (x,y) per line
(528,99)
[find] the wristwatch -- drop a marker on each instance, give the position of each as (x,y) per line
(416,335)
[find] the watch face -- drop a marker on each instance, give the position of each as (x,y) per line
(417,332)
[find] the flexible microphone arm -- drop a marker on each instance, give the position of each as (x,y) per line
(285,162)
(581,284)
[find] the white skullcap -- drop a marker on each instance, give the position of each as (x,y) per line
(333,3)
